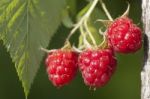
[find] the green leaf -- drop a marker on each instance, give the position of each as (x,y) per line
(25,25)
(66,19)
(72,6)
(69,13)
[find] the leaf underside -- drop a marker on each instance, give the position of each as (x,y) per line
(25,25)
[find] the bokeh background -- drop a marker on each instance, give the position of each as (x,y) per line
(125,83)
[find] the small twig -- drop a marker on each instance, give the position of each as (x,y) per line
(76,49)
(104,40)
(126,13)
(88,45)
(105,22)
(86,16)
(84,37)
(105,10)
(89,33)
(46,50)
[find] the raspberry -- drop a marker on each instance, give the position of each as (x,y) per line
(124,36)
(97,66)
(61,66)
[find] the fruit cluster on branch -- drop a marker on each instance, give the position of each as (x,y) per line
(96,62)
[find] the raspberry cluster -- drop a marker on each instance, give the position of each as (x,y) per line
(98,63)
(96,66)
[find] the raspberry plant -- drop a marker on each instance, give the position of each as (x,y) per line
(97,61)
(119,35)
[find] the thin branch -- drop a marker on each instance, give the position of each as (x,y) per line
(86,16)
(105,10)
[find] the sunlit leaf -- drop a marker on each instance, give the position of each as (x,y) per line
(25,25)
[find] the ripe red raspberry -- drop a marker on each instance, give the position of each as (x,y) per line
(61,66)
(124,36)
(97,66)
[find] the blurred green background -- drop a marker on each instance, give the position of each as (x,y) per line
(125,84)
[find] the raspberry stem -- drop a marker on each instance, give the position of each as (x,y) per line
(105,10)
(66,45)
(85,17)
(102,44)
(46,50)
(89,33)
(84,37)
(126,13)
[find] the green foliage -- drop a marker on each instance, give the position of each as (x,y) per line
(66,19)
(25,26)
